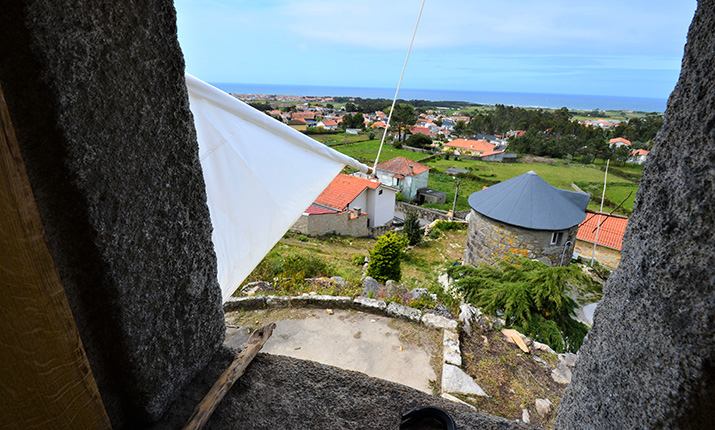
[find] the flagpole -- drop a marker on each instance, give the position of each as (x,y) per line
(598,227)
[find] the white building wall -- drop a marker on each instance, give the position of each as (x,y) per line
(380,207)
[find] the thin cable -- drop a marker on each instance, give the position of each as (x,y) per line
(394,100)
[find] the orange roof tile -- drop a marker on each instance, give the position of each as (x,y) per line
(639,152)
(402,165)
(471,145)
(343,190)
(610,233)
(620,139)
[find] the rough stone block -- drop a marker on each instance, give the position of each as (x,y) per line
(370,287)
(451,353)
(455,381)
(322,301)
(99,104)
(436,321)
(278,301)
(233,304)
(396,310)
(648,360)
(369,305)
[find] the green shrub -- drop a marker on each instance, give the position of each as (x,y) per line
(385,257)
(412,228)
(424,302)
(399,197)
(306,266)
(530,295)
(358,259)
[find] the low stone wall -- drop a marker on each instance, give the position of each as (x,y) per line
(341,223)
(426,213)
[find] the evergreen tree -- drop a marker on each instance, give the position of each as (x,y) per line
(412,228)
(386,256)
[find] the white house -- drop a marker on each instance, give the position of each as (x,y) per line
(405,174)
(350,205)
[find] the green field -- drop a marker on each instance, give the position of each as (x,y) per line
(367,151)
(558,173)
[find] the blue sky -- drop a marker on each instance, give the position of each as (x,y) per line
(620,48)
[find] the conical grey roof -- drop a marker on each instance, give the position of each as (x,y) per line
(530,202)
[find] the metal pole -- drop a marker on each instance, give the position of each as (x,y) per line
(454,205)
(598,227)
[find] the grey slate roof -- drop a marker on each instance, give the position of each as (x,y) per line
(530,202)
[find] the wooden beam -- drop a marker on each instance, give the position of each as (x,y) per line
(203,410)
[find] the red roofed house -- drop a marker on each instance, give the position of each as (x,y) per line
(618,142)
(328,124)
(298,124)
(638,156)
(405,174)
(475,147)
(349,205)
(422,130)
(610,238)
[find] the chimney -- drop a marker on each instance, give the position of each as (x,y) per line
(412,170)
(358,210)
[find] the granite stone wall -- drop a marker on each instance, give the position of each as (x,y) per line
(649,360)
(97,96)
(489,241)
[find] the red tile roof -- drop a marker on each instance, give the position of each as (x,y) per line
(421,130)
(329,122)
(610,233)
(316,210)
(619,139)
(471,145)
(484,154)
(402,165)
(379,124)
(639,152)
(343,190)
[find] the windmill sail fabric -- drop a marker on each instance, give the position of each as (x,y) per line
(260,176)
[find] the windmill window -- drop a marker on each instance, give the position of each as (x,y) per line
(556,237)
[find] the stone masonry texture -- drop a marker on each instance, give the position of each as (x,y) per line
(286,393)
(649,360)
(97,97)
(490,241)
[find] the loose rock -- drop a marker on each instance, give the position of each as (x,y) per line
(543,407)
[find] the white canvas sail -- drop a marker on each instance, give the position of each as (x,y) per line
(260,176)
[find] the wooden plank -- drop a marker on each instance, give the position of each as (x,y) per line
(203,410)
(45,378)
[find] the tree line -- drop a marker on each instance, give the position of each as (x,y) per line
(553,133)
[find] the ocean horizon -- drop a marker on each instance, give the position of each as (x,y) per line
(553,101)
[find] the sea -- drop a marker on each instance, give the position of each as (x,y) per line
(555,101)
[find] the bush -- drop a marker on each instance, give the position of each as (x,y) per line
(358,259)
(399,197)
(530,295)
(301,266)
(385,257)
(412,228)
(418,141)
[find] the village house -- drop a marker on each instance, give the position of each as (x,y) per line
(524,216)
(406,175)
(638,156)
(610,238)
(470,147)
(298,124)
(351,206)
(328,124)
(618,142)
